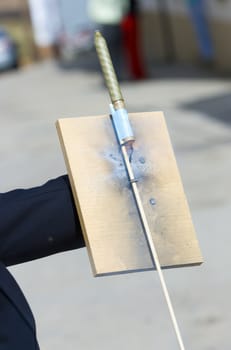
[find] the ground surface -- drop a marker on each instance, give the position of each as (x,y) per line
(75,311)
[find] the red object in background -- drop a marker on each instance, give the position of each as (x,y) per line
(132,47)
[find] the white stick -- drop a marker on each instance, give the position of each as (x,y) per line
(150,242)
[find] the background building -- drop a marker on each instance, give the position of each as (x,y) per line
(15,18)
(168,31)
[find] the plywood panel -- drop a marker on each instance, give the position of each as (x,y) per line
(104,201)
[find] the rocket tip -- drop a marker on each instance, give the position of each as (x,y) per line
(97,34)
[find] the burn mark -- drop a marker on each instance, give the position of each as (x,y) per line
(142,169)
(152,201)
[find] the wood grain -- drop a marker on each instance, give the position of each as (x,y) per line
(104,201)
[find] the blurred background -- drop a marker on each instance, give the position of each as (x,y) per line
(170,55)
(182,31)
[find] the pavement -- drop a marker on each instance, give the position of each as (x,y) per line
(73,310)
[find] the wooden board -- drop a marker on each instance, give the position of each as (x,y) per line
(104,201)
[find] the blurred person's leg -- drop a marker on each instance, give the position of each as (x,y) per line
(132,47)
(113,35)
(198,15)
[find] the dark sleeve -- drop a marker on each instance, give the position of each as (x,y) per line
(38,222)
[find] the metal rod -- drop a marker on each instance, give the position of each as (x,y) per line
(150,243)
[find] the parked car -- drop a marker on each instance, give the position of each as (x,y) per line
(8,51)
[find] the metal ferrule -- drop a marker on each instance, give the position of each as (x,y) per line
(122,125)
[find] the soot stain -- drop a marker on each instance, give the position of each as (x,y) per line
(141,167)
(142,160)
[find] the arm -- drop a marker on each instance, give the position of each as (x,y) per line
(38,222)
